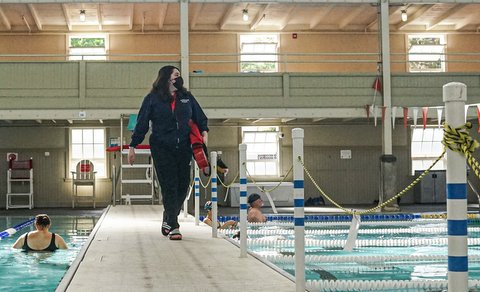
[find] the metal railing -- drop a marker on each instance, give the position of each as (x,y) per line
(283,62)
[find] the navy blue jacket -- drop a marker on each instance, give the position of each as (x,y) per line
(169,129)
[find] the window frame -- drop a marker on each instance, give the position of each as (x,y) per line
(72,166)
(443,57)
(277,161)
(78,57)
(263,57)
(427,157)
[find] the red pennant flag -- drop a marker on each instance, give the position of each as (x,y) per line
(377,84)
(405,117)
(367,108)
(424,115)
(478,117)
(384,108)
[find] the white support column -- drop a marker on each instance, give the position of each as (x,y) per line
(299,212)
(197,194)
(184,51)
(386,76)
(243,199)
(455,96)
(213,173)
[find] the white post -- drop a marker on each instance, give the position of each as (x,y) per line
(197,194)
(455,96)
(299,213)
(184,50)
(185,203)
(213,173)
(243,199)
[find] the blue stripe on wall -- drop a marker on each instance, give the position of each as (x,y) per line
(214,199)
(243,206)
(243,181)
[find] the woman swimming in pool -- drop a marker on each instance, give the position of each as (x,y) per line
(40,239)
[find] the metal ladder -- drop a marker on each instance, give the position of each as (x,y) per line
(126,171)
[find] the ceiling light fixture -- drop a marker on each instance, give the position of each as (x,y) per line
(245,14)
(82,15)
(404,15)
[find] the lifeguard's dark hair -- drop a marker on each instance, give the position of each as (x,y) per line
(42,220)
(161,86)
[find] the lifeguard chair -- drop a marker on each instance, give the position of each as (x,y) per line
(19,171)
(84,176)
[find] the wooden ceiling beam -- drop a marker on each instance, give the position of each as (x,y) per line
(444,16)
(319,16)
(162,15)
(67,18)
(35,16)
(260,15)
(411,18)
(226,16)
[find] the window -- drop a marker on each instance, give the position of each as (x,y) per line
(88,143)
(426,147)
(87,47)
(262,150)
(426,53)
(258,53)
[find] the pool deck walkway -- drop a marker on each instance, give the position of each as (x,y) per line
(129,253)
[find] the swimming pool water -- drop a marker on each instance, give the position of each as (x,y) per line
(41,271)
(360,268)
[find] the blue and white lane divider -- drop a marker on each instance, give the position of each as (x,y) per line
(348,218)
(10,231)
(298,211)
(455,97)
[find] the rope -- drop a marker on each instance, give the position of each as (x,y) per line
(208,182)
(230,184)
(262,189)
(455,139)
(459,140)
(398,195)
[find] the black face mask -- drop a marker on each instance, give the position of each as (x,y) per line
(178,83)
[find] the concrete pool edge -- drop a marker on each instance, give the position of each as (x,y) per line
(262,260)
(67,278)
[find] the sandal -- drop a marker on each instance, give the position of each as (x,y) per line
(175,234)
(166,228)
